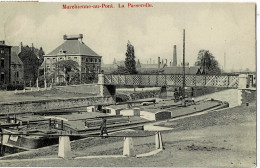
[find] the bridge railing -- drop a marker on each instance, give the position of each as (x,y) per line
(230,81)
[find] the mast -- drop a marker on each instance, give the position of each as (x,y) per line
(183,63)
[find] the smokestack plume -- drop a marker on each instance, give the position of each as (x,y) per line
(174,61)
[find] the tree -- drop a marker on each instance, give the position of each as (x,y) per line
(31,64)
(114,62)
(69,69)
(207,62)
(138,64)
(121,70)
(40,56)
(130,63)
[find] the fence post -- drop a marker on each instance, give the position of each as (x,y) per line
(165,81)
(205,78)
(158,141)
(227,81)
(128,147)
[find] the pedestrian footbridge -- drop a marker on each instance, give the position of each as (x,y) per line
(229,81)
(109,82)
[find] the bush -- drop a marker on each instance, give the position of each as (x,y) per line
(14,87)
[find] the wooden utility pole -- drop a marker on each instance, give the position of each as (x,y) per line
(183,64)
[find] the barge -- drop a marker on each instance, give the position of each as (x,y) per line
(128,115)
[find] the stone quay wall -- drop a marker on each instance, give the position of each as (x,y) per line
(44,105)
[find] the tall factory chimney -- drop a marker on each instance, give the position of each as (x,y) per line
(224,61)
(174,61)
(159,62)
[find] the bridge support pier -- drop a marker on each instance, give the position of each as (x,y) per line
(64,147)
(245,93)
(105,90)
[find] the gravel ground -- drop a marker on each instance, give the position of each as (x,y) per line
(225,138)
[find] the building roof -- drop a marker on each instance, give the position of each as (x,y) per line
(74,46)
(15,50)
(179,70)
(2,44)
(148,66)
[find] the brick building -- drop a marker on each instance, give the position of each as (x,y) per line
(74,49)
(5,63)
(17,66)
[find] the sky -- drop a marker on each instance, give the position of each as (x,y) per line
(221,28)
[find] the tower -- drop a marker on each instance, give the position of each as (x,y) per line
(174,61)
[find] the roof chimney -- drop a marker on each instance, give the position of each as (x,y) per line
(65,37)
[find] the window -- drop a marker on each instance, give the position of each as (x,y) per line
(2,63)
(53,58)
(2,77)
(17,74)
(2,51)
(48,58)
(91,59)
(99,60)
(75,58)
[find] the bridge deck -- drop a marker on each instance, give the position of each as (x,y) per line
(230,81)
